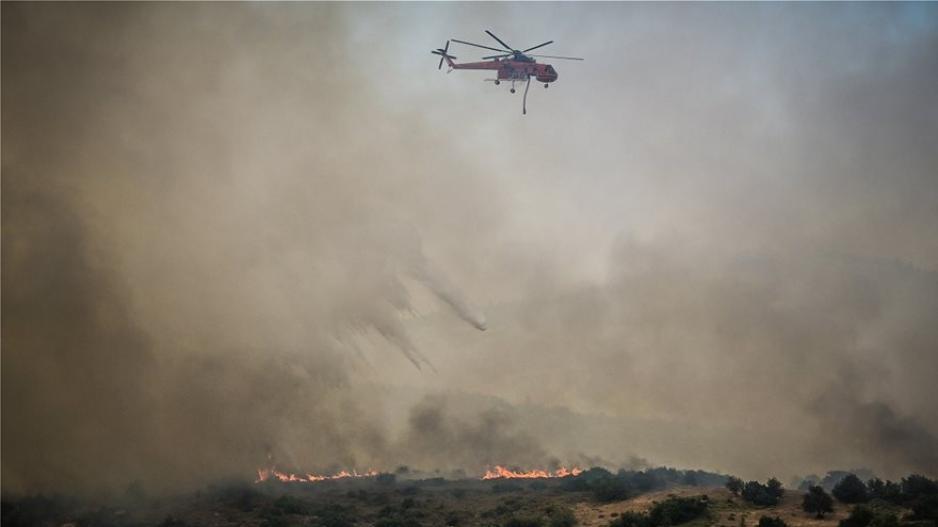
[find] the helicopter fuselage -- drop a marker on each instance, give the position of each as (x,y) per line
(516,70)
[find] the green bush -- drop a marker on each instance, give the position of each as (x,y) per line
(610,489)
(817,501)
(676,510)
(850,490)
(734,484)
(888,491)
(772,521)
(672,511)
(865,516)
(763,495)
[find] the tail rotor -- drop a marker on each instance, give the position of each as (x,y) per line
(442,52)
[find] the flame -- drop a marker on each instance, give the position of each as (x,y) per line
(264,474)
(502,472)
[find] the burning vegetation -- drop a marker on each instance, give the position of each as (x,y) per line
(500,472)
(496,472)
(596,497)
(264,474)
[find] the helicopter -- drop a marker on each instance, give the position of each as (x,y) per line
(512,65)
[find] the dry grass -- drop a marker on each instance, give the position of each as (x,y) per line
(726,510)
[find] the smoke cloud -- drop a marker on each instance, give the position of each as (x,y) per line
(231,232)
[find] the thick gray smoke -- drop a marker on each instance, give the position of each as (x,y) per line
(190,250)
(709,245)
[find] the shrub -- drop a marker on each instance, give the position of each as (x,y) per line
(524,521)
(645,481)
(584,480)
(610,489)
(672,511)
(537,485)
(888,491)
(456,518)
(458,493)
(35,510)
(921,495)
(505,486)
(561,517)
(335,516)
(865,516)
(817,501)
(762,495)
(241,496)
(291,505)
(774,488)
(860,516)
(735,485)
(850,490)
(397,521)
(767,521)
(675,510)
(631,519)
(385,479)
(926,508)
(916,486)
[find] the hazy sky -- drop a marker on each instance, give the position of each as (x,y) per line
(241,231)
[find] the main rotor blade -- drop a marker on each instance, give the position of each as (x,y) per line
(556,57)
(538,46)
(497,56)
(477,45)
(509,48)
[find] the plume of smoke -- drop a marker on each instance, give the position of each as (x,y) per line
(439,438)
(191,241)
(185,264)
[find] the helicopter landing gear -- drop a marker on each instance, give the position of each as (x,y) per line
(512,90)
(546,85)
(497,82)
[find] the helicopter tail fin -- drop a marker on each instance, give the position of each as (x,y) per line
(442,52)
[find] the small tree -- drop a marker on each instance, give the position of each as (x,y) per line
(850,490)
(890,491)
(735,485)
(817,501)
(759,494)
(775,489)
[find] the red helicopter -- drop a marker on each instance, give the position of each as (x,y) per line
(511,64)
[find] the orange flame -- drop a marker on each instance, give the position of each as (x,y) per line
(502,472)
(264,474)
